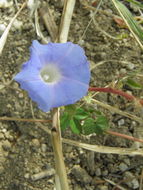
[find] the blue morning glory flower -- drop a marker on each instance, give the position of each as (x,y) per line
(57,74)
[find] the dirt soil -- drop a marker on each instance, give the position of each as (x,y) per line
(25,149)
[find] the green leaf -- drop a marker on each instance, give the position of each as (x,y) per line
(98,126)
(134,84)
(130,21)
(136,3)
(70,109)
(81,114)
(65,121)
(74,127)
(88,126)
(101,124)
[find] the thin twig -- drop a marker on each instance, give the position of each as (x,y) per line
(90,21)
(24,120)
(141,180)
(98,148)
(124,136)
(111,90)
(118,92)
(95,148)
(113,183)
(104,149)
(6,32)
(120,112)
(49,121)
(49,22)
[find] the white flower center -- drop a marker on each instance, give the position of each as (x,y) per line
(50,73)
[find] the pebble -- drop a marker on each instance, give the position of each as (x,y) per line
(6,145)
(17,24)
(20,95)
(127,161)
(121,122)
(130,180)
(5,3)
(123,71)
(43,174)
(91,162)
(81,175)
(2,136)
(27,176)
(105,173)
(36,143)
(4,130)
(77,187)
(123,167)
(102,187)
(98,172)
(1,169)
(44,147)
(130,66)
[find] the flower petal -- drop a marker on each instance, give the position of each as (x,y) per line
(39,92)
(68,92)
(63,54)
(73,67)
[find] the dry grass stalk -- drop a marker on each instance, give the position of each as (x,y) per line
(120,112)
(66,20)
(49,22)
(6,32)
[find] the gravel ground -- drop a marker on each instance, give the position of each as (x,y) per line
(26,155)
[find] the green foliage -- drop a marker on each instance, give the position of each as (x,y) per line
(133,84)
(130,21)
(136,3)
(75,126)
(81,120)
(98,125)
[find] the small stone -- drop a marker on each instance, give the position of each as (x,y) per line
(98,172)
(1,169)
(77,187)
(105,173)
(121,122)
(81,175)
(27,176)
(135,184)
(4,130)
(102,187)
(20,95)
(123,167)
(130,66)
(6,145)
(123,71)
(127,161)
(130,180)
(43,147)
(2,136)
(17,24)
(5,3)
(36,143)
(43,174)
(1,85)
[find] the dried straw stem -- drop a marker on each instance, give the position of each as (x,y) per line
(61,176)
